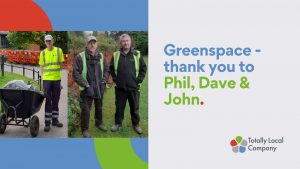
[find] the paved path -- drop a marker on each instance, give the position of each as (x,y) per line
(16,131)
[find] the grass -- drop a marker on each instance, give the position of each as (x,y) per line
(109,114)
(13,76)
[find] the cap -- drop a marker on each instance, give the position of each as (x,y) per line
(48,37)
(89,38)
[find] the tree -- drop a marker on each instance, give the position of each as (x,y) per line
(60,39)
(76,41)
(21,40)
(106,43)
(139,39)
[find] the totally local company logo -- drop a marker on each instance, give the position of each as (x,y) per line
(256,144)
(239,145)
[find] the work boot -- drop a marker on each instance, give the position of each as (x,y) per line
(115,127)
(138,129)
(101,127)
(56,123)
(47,128)
(86,134)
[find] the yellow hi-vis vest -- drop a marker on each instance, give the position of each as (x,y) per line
(136,56)
(84,67)
(51,63)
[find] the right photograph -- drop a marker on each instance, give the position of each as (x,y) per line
(108,84)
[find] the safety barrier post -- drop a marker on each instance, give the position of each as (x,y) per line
(23,70)
(33,74)
(40,82)
(2,65)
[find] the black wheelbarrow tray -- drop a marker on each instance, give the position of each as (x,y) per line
(19,108)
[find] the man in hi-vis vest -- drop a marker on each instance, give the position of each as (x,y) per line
(128,71)
(90,73)
(51,60)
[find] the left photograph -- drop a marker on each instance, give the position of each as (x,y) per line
(33,84)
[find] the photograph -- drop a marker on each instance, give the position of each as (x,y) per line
(108,84)
(33,84)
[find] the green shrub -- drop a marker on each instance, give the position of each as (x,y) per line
(73,114)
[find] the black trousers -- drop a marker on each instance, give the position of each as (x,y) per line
(52,94)
(85,105)
(133,98)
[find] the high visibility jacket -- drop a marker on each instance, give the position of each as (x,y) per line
(128,69)
(51,61)
(84,66)
(136,56)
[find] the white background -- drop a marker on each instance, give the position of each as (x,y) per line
(194,137)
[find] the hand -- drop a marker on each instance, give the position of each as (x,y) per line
(138,81)
(102,87)
(89,91)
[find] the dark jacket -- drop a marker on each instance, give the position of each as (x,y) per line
(126,78)
(94,75)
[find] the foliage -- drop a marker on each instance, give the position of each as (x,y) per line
(61,40)
(73,113)
(22,39)
(106,43)
(140,39)
(78,42)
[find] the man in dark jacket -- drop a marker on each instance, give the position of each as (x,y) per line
(128,71)
(90,73)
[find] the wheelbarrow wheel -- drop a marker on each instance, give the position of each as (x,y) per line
(34,126)
(3,123)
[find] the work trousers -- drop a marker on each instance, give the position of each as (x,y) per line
(85,105)
(52,94)
(133,97)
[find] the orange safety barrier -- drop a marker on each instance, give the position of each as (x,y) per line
(11,54)
(65,63)
(18,56)
(36,57)
(26,56)
(31,58)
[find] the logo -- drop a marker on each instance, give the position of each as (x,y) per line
(239,144)
(256,144)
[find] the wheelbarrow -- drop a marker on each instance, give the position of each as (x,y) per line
(19,108)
